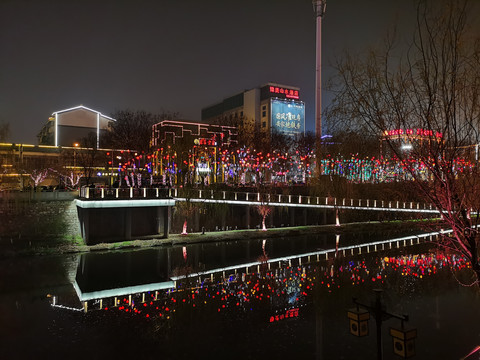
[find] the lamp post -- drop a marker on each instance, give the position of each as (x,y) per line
(403,339)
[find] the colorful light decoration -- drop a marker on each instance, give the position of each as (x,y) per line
(285,290)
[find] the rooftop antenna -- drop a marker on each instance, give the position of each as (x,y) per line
(319,9)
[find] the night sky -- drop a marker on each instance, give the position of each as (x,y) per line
(172,55)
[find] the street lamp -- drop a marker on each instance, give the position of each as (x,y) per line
(403,339)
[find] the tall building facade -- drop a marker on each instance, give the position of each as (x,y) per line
(269,108)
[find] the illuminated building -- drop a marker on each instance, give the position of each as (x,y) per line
(169,132)
(71,126)
(269,108)
(201,141)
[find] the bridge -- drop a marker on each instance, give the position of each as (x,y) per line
(251,199)
(116,214)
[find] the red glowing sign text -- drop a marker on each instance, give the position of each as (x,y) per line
(413,132)
(289,93)
(288,314)
(207,142)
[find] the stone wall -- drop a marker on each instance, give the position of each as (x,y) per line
(37,216)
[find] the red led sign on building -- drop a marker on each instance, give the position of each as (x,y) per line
(207,142)
(417,132)
(289,93)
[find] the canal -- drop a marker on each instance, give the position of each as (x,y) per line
(279,298)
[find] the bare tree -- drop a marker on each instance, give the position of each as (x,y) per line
(426,105)
(133,129)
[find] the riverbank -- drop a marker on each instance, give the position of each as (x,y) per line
(77,246)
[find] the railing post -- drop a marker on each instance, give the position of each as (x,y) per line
(102,192)
(258,196)
(200,194)
(299,199)
(131,192)
(343,201)
(374,203)
(368,202)
(411,205)
(156,192)
(144,192)
(116,193)
(235,196)
(87,193)
(223,195)
(289,198)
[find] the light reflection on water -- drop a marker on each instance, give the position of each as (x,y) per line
(292,310)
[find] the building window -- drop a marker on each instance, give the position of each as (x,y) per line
(241,113)
(264,107)
(264,113)
(264,124)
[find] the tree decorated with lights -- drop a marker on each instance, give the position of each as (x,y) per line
(426,106)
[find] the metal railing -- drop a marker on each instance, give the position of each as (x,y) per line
(124,193)
(255,198)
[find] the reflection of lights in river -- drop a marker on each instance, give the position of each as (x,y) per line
(282,289)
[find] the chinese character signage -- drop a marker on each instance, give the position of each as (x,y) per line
(278,91)
(413,132)
(288,117)
(289,93)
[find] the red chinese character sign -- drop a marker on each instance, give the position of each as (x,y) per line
(288,93)
(413,133)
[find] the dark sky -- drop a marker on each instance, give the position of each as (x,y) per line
(173,55)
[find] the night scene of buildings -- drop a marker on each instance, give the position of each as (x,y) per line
(263,179)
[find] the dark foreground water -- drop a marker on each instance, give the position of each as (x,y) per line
(140,305)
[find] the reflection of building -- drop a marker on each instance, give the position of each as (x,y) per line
(70,126)
(271,107)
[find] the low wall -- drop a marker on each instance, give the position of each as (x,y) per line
(36,216)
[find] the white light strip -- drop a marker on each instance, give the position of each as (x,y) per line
(319,206)
(102,294)
(98,130)
(56,129)
(66,307)
(83,107)
(101,204)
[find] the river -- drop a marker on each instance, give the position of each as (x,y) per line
(274,299)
